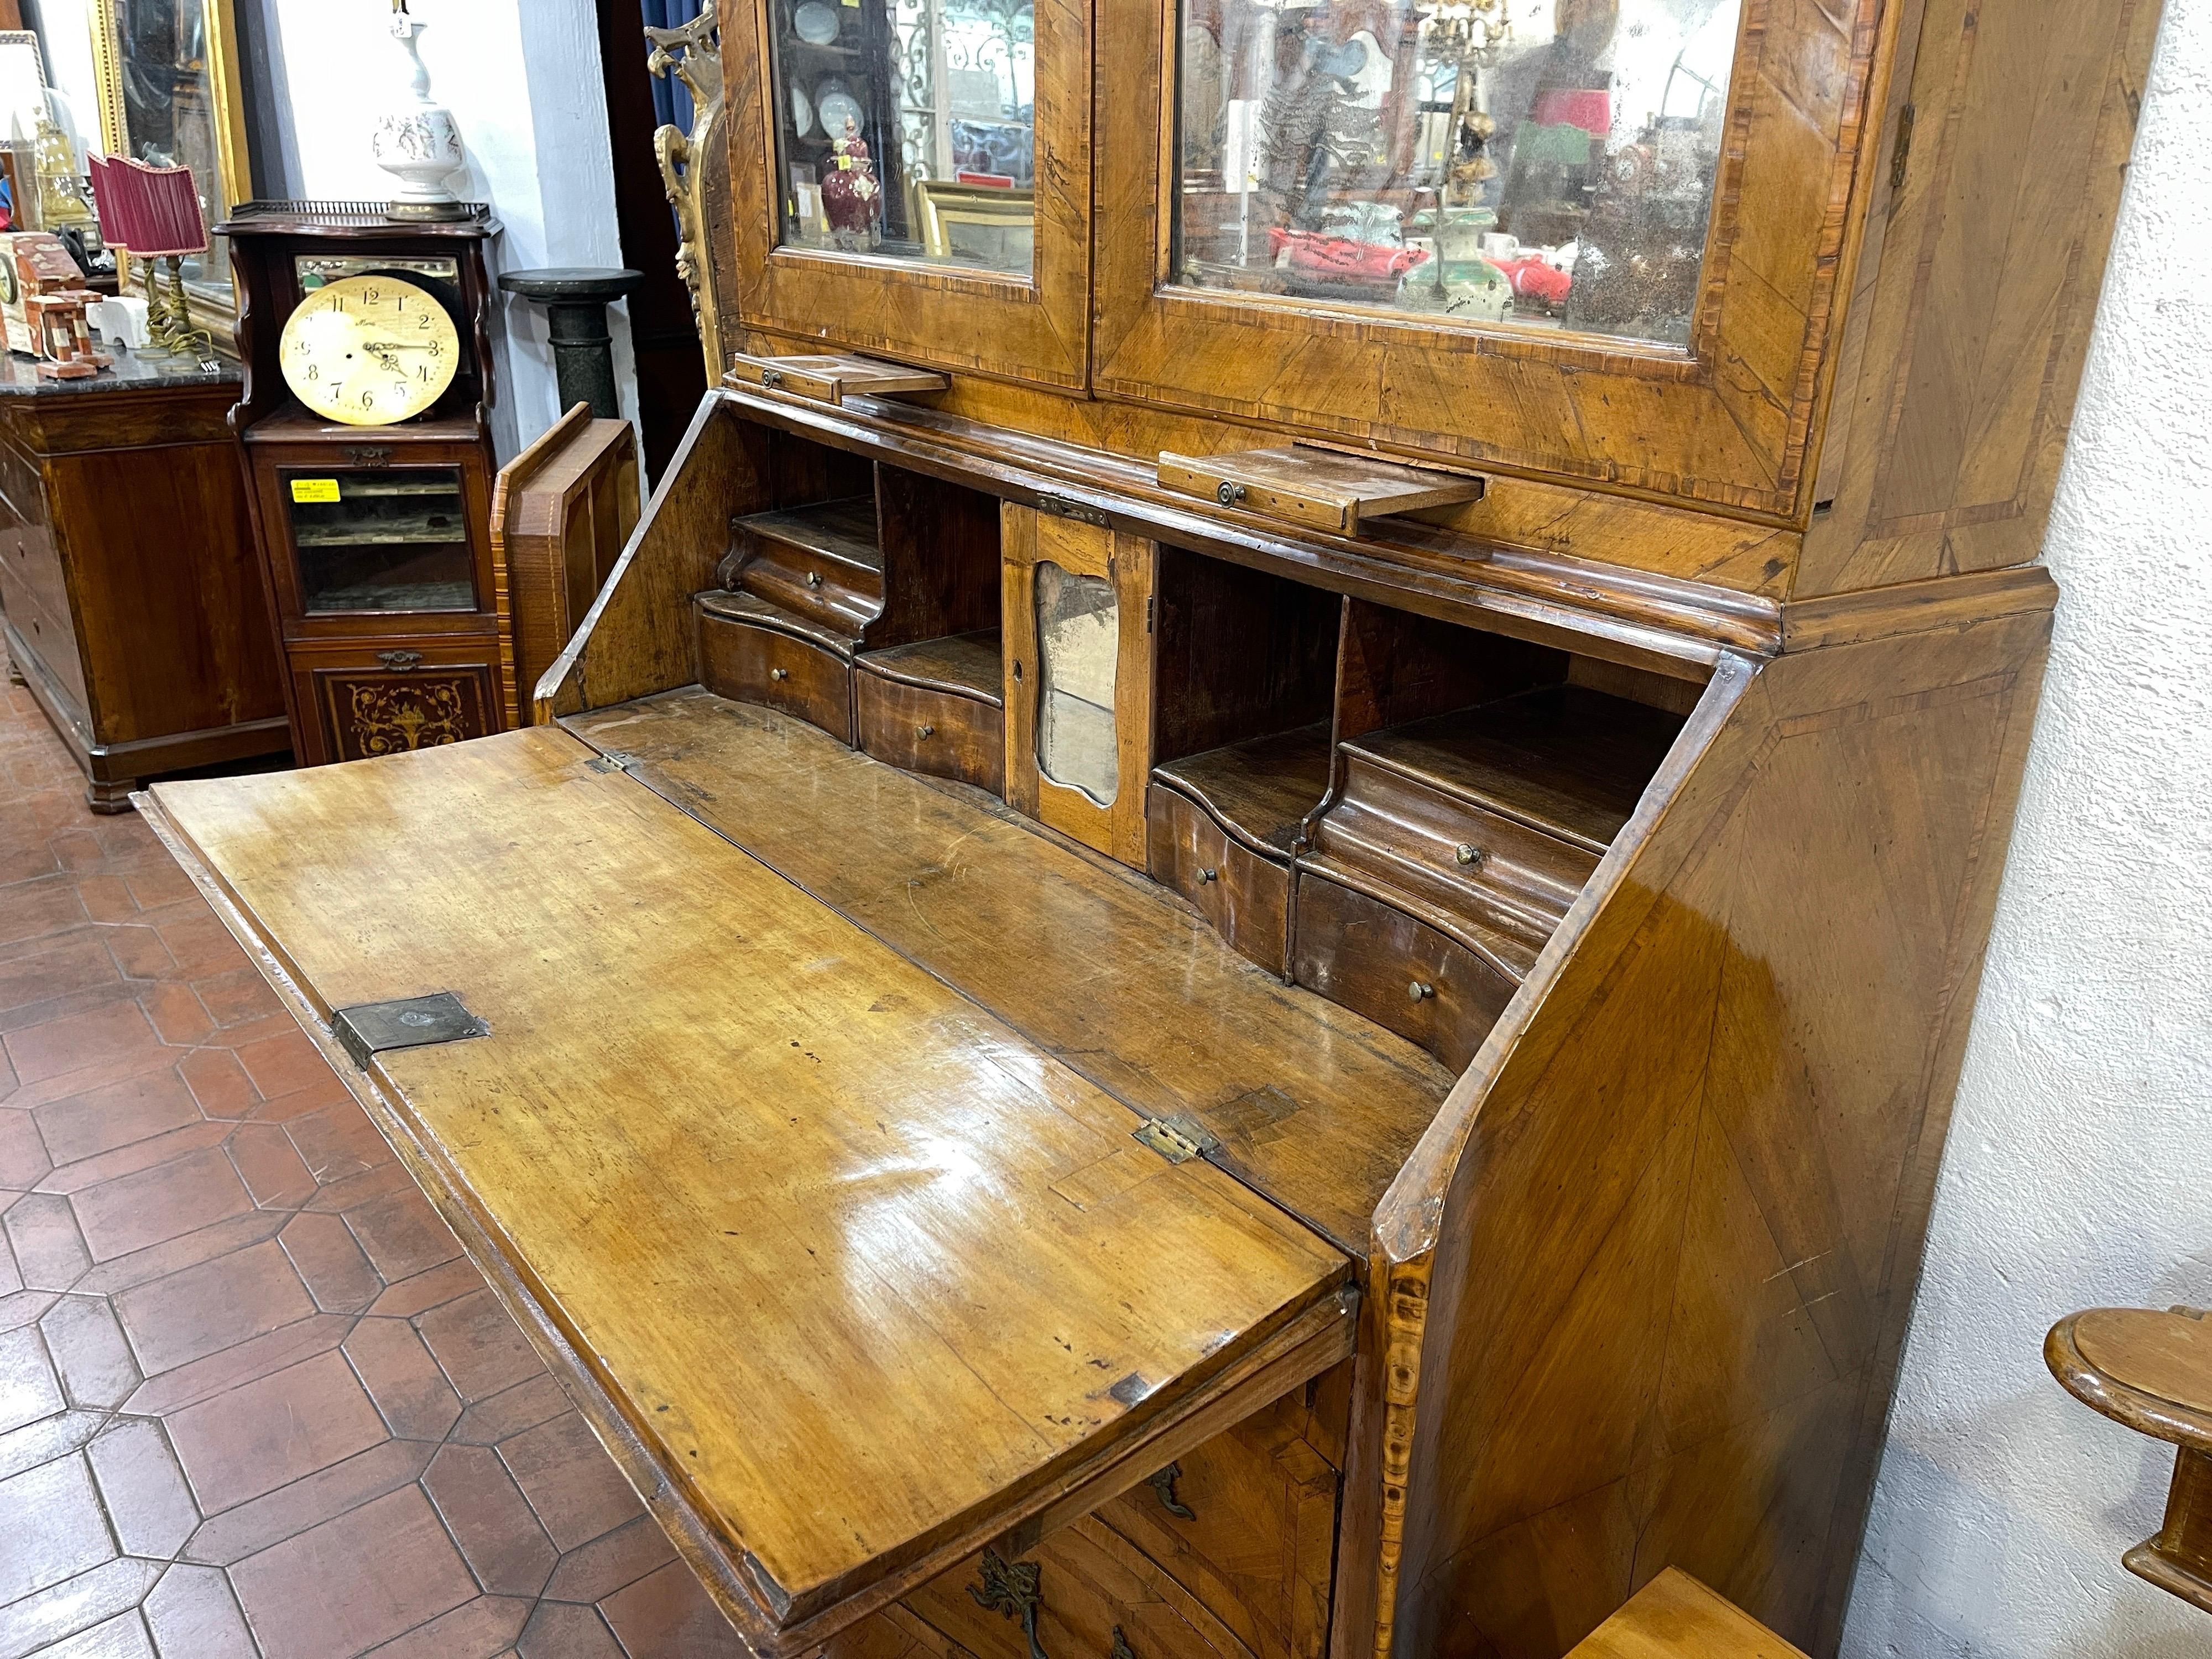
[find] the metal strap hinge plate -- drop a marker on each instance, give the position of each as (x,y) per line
(1060,507)
(614,760)
(1178,1140)
(367,1029)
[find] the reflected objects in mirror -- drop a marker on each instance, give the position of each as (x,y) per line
(168,77)
(938,98)
(1550,163)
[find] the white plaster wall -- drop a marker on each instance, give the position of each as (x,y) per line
(2079,1171)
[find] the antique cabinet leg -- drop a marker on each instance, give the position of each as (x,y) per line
(110,798)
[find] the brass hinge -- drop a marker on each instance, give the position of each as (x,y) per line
(1061,507)
(1178,1140)
(370,1029)
(1903,153)
(614,760)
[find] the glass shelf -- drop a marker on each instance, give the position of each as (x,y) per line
(371,542)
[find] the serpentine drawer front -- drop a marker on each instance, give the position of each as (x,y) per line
(852,1277)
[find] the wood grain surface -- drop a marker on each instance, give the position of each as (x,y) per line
(859,1262)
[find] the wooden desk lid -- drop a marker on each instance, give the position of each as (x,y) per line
(857,1263)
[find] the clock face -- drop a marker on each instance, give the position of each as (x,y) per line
(369,350)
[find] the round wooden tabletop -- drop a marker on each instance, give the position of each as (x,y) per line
(2148,1370)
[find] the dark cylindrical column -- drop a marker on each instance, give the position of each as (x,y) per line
(576,302)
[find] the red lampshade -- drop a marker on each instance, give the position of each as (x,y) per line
(153,212)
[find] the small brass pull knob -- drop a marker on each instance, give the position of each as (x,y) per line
(1468,853)
(925,731)
(1420,991)
(1229,493)
(814,578)
(1204,876)
(771,378)
(400,661)
(779,673)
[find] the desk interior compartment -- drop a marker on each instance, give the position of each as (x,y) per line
(1244,684)
(1477,779)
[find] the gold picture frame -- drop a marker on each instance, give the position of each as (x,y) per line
(207,94)
(942,206)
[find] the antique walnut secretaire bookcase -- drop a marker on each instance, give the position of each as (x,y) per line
(1248,923)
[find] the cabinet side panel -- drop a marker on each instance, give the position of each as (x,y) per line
(1680,1232)
(637,638)
(1973,322)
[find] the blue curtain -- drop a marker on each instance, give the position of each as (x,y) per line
(671,99)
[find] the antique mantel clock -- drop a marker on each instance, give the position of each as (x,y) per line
(368,380)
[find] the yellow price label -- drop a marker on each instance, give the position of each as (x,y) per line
(315,492)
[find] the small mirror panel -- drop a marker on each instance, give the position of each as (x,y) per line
(1079,644)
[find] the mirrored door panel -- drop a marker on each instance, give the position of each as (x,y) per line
(909,128)
(1597,240)
(1549,163)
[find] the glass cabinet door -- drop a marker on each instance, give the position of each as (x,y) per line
(392,540)
(1529,162)
(921,187)
(1599,240)
(908,129)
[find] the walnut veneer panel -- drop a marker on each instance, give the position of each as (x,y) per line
(857,1261)
(1098,967)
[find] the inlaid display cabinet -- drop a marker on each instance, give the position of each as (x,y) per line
(1245,929)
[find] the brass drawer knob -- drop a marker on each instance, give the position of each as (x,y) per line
(1205,876)
(1469,853)
(1420,991)
(814,578)
(925,731)
(779,673)
(1229,493)
(771,378)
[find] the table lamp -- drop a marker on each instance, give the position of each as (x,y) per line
(154,214)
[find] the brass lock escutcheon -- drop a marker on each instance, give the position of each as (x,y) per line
(400,661)
(1013,1589)
(1163,1483)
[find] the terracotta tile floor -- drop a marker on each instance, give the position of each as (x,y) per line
(252,1398)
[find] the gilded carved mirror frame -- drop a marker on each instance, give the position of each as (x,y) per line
(214,304)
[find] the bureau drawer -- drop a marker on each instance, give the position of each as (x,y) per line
(1401,972)
(1091,1588)
(753,663)
(1247,1523)
(46,633)
(922,729)
(1245,896)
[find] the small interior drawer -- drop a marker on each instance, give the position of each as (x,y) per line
(923,729)
(1246,897)
(1400,972)
(751,662)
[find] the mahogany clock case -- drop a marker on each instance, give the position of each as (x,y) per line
(375,540)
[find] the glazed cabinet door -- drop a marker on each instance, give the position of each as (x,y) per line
(912,179)
(1598,241)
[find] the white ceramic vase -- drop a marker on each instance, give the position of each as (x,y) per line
(418,142)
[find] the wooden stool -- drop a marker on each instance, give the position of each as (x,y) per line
(2153,1372)
(1675,1617)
